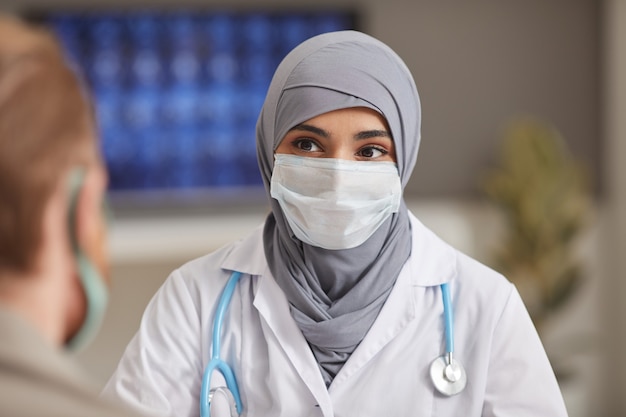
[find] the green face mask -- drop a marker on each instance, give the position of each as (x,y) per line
(96,291)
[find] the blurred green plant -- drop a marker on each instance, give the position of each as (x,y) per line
(543,193)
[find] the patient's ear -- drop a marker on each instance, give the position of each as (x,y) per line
(89,231)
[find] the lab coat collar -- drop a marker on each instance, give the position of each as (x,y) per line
(248,255)
(433,261)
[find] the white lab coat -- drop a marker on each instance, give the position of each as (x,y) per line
(508,373)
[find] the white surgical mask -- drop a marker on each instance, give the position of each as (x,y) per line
(335,203)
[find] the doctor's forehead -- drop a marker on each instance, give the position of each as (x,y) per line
(355,115)
(365,122)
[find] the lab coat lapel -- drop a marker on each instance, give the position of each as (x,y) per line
(274,309)
(248,257)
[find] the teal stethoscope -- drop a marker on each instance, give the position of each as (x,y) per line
(447,373)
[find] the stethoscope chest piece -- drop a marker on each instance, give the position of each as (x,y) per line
(448,375)
(222,402)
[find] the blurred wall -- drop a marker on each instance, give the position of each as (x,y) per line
(614,246)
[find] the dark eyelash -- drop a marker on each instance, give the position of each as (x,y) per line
(378,148)
(298,142)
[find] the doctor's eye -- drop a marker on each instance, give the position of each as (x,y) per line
(372,152)
(306,145)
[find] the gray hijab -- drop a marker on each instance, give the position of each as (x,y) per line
(335,295)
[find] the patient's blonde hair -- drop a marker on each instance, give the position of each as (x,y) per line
(46,128)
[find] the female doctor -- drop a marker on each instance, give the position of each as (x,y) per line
(342,303)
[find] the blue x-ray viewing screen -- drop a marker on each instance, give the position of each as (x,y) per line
(178,94)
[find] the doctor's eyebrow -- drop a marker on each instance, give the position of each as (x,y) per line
(309,128)
(366,134)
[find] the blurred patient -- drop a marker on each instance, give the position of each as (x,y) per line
(53,264)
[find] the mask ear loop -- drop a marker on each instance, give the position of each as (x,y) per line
(75,184)
(96,292)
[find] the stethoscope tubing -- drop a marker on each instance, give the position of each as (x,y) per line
(447,373)
(448,318)
(227,295)
(216,361)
